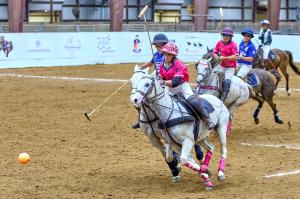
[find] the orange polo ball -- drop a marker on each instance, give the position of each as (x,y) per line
(23,158)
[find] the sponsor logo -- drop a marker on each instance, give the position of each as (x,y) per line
(104,44)
(193,45)
(136,44)
(38,47)
(73,43)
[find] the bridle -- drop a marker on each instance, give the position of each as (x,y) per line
(156,97)
(133,89)
(209,71)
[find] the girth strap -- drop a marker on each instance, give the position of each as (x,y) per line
(176,121)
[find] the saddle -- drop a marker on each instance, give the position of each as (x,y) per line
(194,107)
(272,55)
(252,80)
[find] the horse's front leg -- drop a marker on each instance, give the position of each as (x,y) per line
(202,170)
(222,139)
(172,161)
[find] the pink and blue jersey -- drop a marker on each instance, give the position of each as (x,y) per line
(178,69)
(226,50)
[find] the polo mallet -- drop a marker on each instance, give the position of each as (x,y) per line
(88,115)
(142,14)
(221,15)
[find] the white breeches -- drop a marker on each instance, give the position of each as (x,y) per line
(266,49)
(229,72)
(244,69)
(184,88)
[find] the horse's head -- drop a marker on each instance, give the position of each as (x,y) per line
(204,70)
(147,91)
(259,58)
(138,74)
(206,65)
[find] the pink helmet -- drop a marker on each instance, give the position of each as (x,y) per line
(170,48)
(227,31)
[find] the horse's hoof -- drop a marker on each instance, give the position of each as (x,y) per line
(279,121)
(289,92)
(205,170)
(221,176)
(209,186)
(176,179)
(256,120)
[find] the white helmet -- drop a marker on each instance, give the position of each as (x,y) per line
(265,22)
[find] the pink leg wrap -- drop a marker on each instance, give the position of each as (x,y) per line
(222,164)
(207,158)
(192,166)
(203,169)
(228,128)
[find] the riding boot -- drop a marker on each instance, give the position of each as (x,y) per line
(226,88)
(205,115)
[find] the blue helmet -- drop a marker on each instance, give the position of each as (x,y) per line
(248,31)
(160,38)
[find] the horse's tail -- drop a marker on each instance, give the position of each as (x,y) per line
(291,62)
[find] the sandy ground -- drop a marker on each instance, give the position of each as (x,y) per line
(74,158)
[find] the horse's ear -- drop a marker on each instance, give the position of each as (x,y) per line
(146,70)
(207,48)
(136,67)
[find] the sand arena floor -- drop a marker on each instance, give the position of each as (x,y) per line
(74,158)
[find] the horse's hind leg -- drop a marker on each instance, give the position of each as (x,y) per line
(202,170)
(286,76)
(257,110)
(275,111)
(209,151)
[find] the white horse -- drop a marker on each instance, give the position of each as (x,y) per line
(210,83)
(149,124)
(181,136)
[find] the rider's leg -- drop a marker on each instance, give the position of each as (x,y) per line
(229,72)
(244,70)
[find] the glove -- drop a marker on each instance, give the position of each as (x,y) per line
(162,83)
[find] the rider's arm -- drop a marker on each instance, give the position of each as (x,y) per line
(145,65)
(248,59)
(260,34)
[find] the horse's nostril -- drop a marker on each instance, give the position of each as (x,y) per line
(135,100)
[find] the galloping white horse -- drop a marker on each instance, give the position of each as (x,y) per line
(149,124)
(181,136)
(210,83)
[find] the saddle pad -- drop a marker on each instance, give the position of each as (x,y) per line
(272,55)
(252,80)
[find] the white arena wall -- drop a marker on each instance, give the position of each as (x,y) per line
(63,49)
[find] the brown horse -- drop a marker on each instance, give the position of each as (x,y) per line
(283,58)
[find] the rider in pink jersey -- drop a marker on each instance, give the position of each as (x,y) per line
(175,76)
(226,52)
